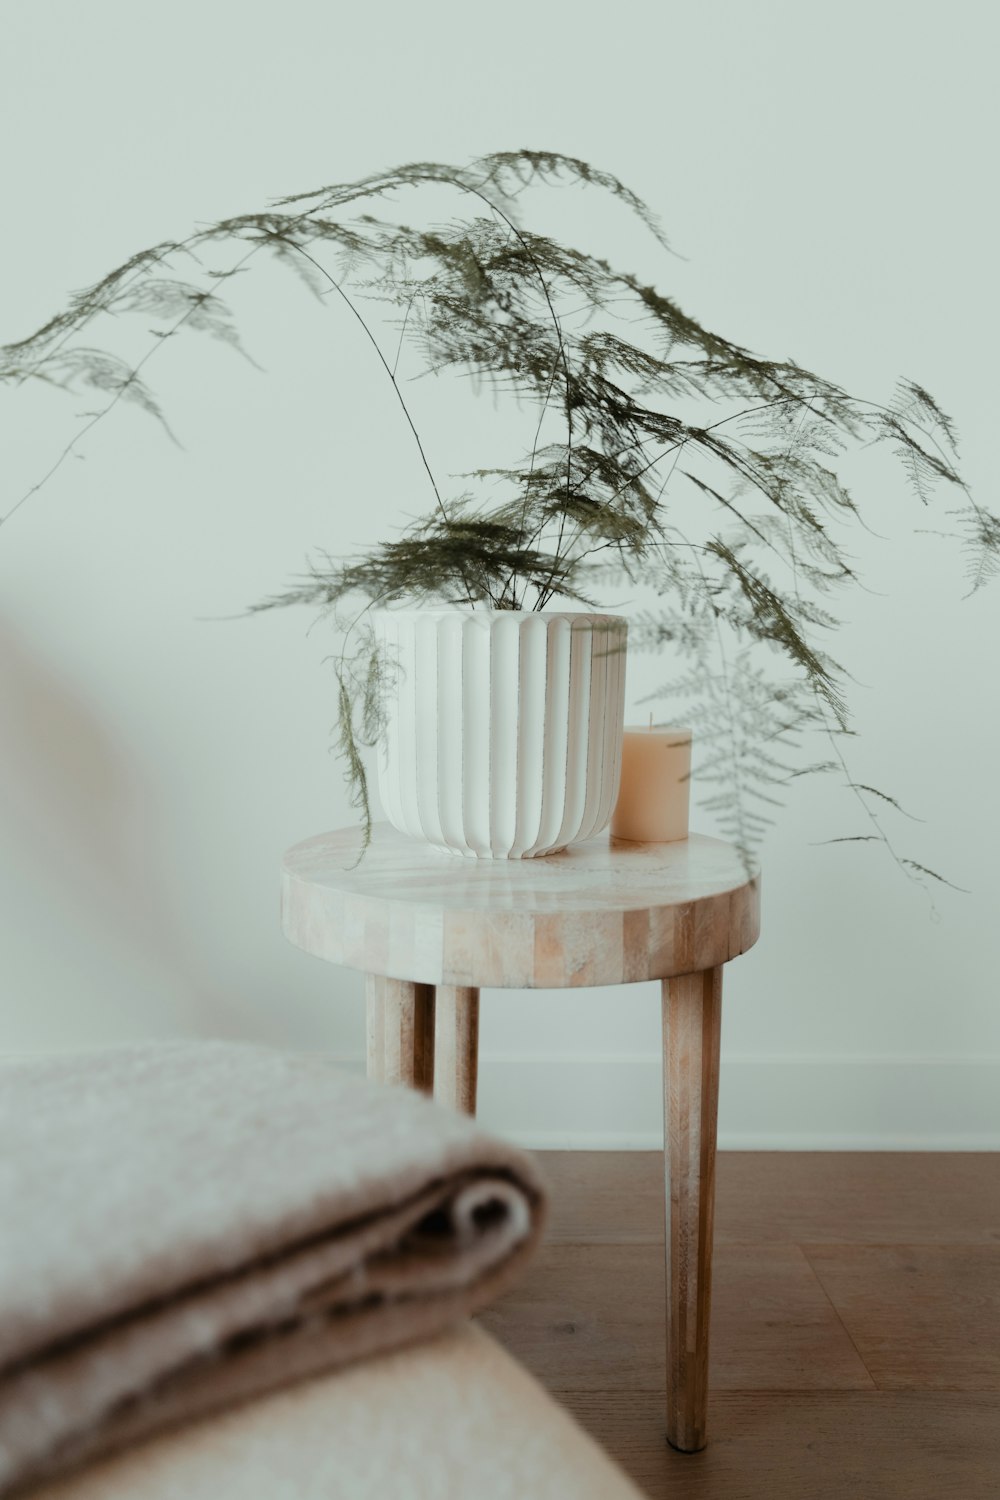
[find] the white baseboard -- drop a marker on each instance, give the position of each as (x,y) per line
(849,1103)
(600,1102)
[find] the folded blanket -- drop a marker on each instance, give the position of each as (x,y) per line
(188,1224)
(453,1418)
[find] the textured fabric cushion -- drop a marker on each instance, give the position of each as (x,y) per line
(451,1419)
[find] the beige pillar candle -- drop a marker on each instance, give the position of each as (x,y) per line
(654,794)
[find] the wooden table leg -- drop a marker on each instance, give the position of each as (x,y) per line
(400,1032)
(456,1047)
(692,1013)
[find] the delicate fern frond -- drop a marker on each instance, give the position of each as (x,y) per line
(873,791)
(80,368)
(745,725)
(919,869)
(780,621)
(981,544)
(912,403)
(349,751)
(446,559)
(503,173)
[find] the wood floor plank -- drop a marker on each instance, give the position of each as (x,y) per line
(913,1445)
(837,1197)
(922,1316)
(604,1197)
(828,1266)
(591,1317)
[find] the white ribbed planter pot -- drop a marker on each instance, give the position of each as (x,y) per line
(503,729)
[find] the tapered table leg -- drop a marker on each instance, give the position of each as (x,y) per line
(456,1047)
(400,1032)
(374,1028)
(692,1013)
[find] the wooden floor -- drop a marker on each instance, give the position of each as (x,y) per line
(855,1332)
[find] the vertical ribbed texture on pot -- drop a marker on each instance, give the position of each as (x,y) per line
(503,730)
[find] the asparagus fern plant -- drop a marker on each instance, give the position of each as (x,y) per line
(658,453)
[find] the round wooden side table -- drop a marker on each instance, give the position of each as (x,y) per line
(429,929)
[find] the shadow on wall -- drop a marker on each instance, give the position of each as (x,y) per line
(76,818)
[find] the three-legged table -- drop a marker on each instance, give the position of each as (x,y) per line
(430,929)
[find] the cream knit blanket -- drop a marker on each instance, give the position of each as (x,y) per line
(184,1225)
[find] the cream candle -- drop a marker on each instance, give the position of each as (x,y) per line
(653,797)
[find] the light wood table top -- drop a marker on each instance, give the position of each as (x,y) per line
(600,912)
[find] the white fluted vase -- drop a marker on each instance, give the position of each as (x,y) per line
(503,728)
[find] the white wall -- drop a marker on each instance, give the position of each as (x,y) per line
(828,176)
